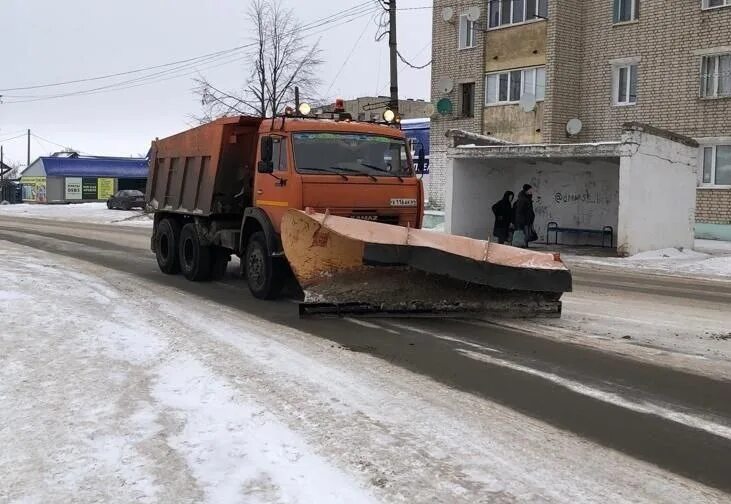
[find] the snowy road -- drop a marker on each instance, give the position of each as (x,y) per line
(120,384)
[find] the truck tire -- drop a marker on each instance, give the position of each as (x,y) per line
(219,262)
(195,259)
(264,275)
(167,238)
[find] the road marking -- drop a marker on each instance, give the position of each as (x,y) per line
(418,330)
(610,397)
(272,203)
(370,325)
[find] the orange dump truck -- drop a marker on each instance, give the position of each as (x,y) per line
(338,203)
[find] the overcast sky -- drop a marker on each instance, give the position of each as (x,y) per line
(49,41)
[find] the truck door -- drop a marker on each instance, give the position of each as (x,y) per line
(274,193)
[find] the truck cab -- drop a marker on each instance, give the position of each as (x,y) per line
(357,170)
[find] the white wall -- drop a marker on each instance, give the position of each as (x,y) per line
(657,183)
(473,186)
(574,194)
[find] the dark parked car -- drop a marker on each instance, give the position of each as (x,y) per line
(126,200)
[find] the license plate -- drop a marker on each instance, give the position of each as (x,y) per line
(403,202)
(365,217)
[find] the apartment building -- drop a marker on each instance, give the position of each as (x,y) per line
(520,70)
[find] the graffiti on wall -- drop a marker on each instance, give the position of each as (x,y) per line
(582,197)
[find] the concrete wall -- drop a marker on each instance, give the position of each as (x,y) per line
(473,186)
(518,46)
(657,179)
(575,194)
(509,122)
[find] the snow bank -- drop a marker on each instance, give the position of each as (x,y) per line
(669,253)
(710,259)
(94,213)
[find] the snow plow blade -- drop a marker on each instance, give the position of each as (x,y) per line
(354,267)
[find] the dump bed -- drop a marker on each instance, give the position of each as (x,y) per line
(206,170)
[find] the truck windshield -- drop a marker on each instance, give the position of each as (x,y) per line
(351,154)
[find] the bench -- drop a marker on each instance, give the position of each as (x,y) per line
(605,232)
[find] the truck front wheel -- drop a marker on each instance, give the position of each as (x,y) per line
(195,258)
(264,274)
(166,246)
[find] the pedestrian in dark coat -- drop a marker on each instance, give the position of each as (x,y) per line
(524,217)
(503,211)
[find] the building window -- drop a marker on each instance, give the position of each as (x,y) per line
(626,10)
(466,33)
(507,87)
(507,12)
(710,4)
(717,165)
(625,84)
(716,76)
(468,99)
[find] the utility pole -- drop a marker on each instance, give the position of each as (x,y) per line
(28,158)
(394,54)
(2,175)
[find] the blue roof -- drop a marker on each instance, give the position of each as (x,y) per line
(111,167)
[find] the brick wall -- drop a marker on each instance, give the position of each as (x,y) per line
(713,206)
(564,53)
(665,38)
(466,65)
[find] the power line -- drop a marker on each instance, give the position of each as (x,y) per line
(415,67)
(129,72)
(405,66)
(188,69)
(347,59)
(50,141)
(350,14)
(12,138)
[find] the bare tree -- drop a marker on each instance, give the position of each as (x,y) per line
(281,60)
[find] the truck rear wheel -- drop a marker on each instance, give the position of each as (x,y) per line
(166,246)
(264,274)
(195,259)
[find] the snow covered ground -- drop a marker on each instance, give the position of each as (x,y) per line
(116,389)
(708,259)
(95,213)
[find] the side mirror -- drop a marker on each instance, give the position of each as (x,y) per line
(267,151)
(420,161)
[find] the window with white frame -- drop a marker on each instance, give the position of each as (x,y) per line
(717,165)
(507,87)
(710,4)
(466,32)
(626,10)
(716,76)
(507,12)
(625,84)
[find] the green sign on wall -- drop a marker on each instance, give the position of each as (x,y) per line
(88,188)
